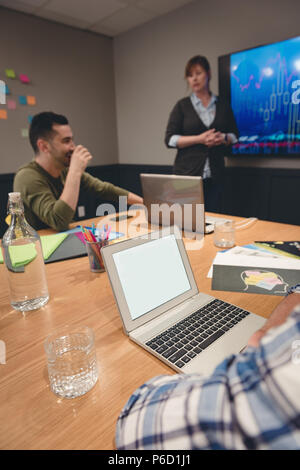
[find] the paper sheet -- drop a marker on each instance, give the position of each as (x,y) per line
(245,251)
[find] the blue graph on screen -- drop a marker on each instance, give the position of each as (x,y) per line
(264,84)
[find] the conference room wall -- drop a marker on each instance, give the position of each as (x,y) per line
(71,72)
(150,61)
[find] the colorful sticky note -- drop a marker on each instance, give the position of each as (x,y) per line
(31,100)
(20,255)
(7,90)
(10,73)
(29,119)
(24,78)
(11,104)
(22,99)
(3,114)
(24,133)
(51,242)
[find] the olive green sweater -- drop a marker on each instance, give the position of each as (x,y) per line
(40,193)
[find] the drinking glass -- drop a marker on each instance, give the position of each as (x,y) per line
(72,362)
(224,234)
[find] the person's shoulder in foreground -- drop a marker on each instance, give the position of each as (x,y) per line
(251,401)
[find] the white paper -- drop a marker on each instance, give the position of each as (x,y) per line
(248,256)
(227,259)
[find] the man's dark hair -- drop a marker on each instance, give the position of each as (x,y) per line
(41,127)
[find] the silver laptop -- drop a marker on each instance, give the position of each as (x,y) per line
(162,309)
(183,194)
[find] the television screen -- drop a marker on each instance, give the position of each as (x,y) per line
(263,85)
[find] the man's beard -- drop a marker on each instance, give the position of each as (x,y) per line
(67,159)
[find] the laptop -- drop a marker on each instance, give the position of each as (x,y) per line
(163,311)
(186,197)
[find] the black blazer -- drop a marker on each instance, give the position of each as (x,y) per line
(184,120)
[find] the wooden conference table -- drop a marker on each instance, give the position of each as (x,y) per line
(31,416)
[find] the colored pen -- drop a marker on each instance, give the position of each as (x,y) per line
(83,232)
(108,232)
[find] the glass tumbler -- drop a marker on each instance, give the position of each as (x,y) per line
(71,360)
(224,234)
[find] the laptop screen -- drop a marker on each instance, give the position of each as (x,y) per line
(137,269)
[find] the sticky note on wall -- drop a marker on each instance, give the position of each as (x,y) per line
(10,73)
(24,133)
(11,104)
(31,100)
(22,100)
(24,78)
(3,114)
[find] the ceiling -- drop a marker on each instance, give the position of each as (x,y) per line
(109,17)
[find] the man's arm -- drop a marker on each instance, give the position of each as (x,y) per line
(278,316)
(134,199)
(79,161)
(107,191)
(42,206)
(242,405)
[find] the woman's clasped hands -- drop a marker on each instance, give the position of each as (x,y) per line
(212,138)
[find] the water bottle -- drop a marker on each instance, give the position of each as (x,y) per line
(23,258)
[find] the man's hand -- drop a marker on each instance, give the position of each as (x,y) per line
(134,199)
(79,160)
(278,316)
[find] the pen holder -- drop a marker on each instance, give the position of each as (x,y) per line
(94,253)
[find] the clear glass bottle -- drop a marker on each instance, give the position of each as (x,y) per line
(23,258)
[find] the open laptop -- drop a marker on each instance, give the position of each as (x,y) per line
(185,194)
(162,309)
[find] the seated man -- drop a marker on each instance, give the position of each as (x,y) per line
(50,184)
(251,401)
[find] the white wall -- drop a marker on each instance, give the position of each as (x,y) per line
(74,72)
(150,61)
(71,73)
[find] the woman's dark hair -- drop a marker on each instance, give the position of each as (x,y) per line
(41,126)
(196,60)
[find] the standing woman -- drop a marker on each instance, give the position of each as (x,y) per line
(201,127)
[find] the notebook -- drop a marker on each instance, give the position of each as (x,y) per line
(71,247)
(183,193)
(163,311)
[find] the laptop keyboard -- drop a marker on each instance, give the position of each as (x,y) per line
(188,338)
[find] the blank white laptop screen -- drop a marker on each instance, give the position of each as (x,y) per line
(138,270)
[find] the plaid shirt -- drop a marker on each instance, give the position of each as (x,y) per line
(251,401)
